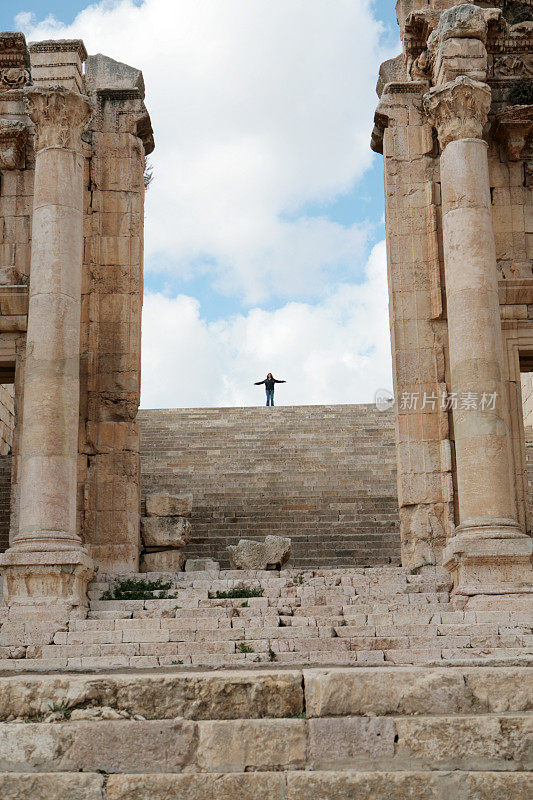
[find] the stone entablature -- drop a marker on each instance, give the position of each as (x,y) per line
(455,128)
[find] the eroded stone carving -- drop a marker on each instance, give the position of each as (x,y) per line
(14,62)
(59,114)
(13,136)
(513,66)
(513,128)
(458,109)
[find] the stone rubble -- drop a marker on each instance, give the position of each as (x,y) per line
(270,554)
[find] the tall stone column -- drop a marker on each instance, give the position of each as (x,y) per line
(47,562)
(489,554)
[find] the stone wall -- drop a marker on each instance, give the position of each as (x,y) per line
(323,475)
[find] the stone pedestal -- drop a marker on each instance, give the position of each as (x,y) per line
(47,563)
(489,554)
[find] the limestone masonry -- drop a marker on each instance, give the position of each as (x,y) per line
(391,655)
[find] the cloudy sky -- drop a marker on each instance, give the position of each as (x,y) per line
(264,222)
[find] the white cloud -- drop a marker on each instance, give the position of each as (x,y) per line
(337,351)
(259,107)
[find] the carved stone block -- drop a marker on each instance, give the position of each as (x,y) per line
(13,136)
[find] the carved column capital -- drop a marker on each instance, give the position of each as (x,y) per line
(458,109)
(59,114)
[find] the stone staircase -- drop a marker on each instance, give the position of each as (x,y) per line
(323,475)
(358,616)
(400,733)
(333,684)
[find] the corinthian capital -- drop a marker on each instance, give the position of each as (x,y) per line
(458,109)
(59,114)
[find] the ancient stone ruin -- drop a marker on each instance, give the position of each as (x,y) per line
(454,124)
(376,679)
(73,142)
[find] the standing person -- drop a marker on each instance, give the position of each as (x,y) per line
(269,382)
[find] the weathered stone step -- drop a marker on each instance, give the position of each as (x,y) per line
(156,656)
(322,617)
(274,692)
(475,741)
(298,785)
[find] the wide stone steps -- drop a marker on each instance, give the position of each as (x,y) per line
(323,475)
(452,733)
(342,617)
(296,785)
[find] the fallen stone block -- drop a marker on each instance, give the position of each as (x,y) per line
(162,561)
(270,554)
(164,504)
(165,531)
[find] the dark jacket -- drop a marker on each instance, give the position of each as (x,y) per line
(269,383)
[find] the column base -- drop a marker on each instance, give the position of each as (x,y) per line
(491,565)
(53,578)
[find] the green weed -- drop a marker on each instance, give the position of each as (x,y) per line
(234,594)
(139,589)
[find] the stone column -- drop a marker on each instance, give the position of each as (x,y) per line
(488,554)
(47,562)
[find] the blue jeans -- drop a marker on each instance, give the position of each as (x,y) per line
(270,397)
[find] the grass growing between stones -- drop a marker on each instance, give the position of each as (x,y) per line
(234,594)
(139,589)
(416,570)
(245,648)
(61,709)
